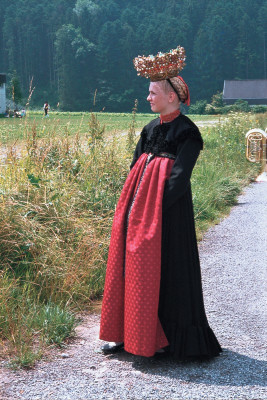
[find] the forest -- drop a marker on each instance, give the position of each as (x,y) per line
(79,52)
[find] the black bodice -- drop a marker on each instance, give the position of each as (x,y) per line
(167,137)
(157,143)
(157,138)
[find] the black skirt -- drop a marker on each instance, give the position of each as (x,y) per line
(181,306)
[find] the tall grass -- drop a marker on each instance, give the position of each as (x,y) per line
(57,200)
(222,169)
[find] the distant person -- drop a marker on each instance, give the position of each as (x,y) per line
(16,114)
(23,112)
(46,109)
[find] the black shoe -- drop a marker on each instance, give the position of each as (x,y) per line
(164,352)
(110,348)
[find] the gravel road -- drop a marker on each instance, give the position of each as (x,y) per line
(234,259)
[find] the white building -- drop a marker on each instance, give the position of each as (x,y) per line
(2,93)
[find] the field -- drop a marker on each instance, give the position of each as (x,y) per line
(64,122)
(59,183)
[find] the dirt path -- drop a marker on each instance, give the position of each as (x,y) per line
(234,259)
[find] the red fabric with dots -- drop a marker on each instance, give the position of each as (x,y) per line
(130,304)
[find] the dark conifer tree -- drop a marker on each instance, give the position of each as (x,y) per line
(73,48)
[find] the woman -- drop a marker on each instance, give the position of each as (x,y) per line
(153,296)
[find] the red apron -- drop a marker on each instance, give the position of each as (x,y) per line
(131,294)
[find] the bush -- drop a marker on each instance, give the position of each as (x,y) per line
(217,100)
(238,106)
(198,107)
(259,109)
(241,105)
(210,109)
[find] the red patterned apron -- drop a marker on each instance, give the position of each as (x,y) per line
(131,294)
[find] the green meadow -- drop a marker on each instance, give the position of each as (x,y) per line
(71,123)
(60,180)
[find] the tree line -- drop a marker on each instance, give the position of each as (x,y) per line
(79,52)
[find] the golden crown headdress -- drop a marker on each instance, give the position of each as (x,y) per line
(162,66)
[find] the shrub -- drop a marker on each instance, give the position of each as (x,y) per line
(198,107)
(210,109)
(241,105)
(259,109)
(217,100)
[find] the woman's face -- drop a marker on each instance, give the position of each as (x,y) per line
(158,99)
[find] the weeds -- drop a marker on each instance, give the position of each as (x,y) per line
(131,132)
(222,170)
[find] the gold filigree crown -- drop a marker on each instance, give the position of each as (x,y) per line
(162,66)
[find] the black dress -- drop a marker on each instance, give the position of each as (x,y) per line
(181,307)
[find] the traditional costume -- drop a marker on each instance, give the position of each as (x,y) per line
(153,294)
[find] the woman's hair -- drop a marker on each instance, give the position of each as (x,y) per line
(177,86)
(165,86)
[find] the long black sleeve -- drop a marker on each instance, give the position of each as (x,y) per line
(176,185)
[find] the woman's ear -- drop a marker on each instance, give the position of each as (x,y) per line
(172,96)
